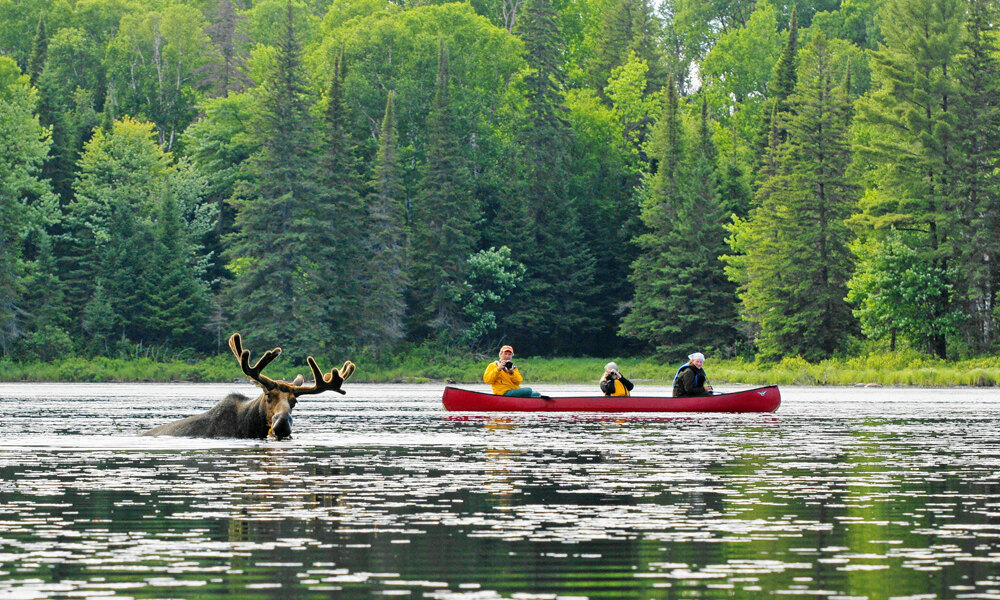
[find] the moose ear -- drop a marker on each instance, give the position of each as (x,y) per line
(299,379)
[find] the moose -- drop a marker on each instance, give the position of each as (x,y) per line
(237,416)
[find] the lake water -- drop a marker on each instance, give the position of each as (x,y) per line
(842,493)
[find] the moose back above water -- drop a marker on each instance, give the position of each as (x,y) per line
(237,416)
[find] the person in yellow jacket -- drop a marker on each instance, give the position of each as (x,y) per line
(505,377)
(613,383)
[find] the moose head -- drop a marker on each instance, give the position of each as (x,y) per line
(237,416)
(279,397)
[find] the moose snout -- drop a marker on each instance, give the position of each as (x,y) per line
(281,425)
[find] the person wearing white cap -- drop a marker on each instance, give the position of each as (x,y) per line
(690,379)
(613,383)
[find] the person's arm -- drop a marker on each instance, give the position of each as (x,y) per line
(628,384)
(492,373)
(608,386)
(516,376)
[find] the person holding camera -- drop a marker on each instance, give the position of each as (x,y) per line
(613,383)
(505,377)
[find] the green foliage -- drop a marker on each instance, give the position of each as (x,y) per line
(209,157)
(280,292)
(26,203)
(913,114)
(491,277)
(152,63)
(443,226)
(383,308)
(791,258)
(896,291)
(682,297)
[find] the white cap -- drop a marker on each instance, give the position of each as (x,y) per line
(696,356)
(611,367)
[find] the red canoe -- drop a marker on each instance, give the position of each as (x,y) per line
(762,399)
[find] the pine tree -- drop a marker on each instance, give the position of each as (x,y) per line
(225,33)
(783,80)
(444,219)
(121,177)
(38,52)
(273,296)
(977,277)
(552,311)
(913,113)
(630,26)
(682,297)
(781,86)
(179,300)
(387,245)
(337,220)
(793,262)
(45,301)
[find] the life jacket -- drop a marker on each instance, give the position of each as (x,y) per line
(620,389)
(697,376)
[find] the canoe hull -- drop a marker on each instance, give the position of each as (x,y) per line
(756,400)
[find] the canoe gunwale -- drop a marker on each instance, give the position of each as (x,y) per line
(763,399)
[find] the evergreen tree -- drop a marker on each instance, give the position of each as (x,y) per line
(977,272)
(121,178)
(381,317)
(630,27)
(179,301)
(45,301)
(277,288)
(783,80)
(99,322)
(553,311)
(688,303)
(230,75)
(781,86)
(912,146)
(444,219)
(793,262)
(38,52)
(26,202)
(338,220)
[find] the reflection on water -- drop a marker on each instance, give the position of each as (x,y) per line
(842,493)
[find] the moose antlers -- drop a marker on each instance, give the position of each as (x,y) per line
(323,382)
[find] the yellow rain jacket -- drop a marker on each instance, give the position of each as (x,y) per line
(501,380)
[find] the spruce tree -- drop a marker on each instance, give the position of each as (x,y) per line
(39,49)
(683,300)
(793,261)
(977,270)
(179,299)
(552,312)
(121,178)
(445,214)
(630,26)
(337,219)
(781,86)
(912,146)
(278,274)
(387,245)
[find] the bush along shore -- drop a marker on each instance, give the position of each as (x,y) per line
(887,369)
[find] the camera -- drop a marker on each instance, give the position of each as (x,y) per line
(508,365)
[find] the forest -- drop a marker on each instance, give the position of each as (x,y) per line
(748,178)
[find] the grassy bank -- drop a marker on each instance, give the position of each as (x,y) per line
(890,369)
